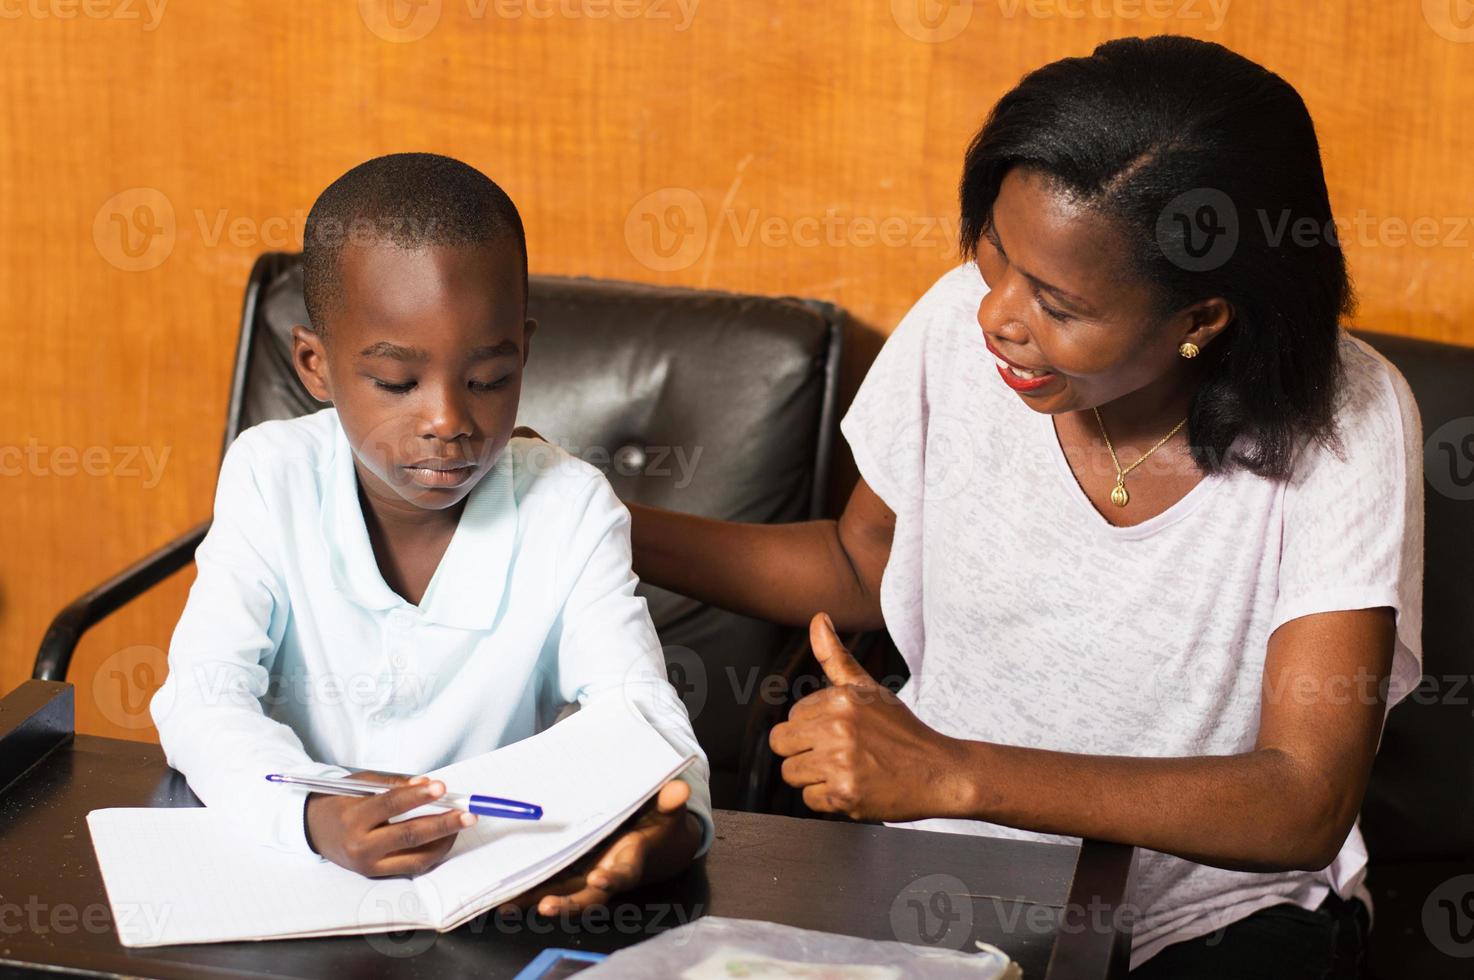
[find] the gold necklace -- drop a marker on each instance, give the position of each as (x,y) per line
(1119,496)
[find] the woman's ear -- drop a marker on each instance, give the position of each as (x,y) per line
(529,327)
(1205,320)
(309,357)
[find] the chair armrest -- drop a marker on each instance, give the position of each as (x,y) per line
(55,654)
(35,719)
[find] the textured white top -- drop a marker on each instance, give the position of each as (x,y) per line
(1028,619)
(294,655)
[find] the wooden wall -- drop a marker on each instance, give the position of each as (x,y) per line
(149,150)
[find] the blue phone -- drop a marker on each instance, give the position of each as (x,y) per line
(556,964)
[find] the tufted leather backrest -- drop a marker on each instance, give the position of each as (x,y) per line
(699,401)
(1420,804)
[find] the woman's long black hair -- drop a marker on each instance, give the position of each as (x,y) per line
(1211,165)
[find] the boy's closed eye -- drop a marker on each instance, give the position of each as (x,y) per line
(404,387)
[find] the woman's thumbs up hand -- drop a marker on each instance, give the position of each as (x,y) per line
(854,748)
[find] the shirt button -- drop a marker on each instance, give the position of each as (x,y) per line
(398,661)
(378,717)
(399,619)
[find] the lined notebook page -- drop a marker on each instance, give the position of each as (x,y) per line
(185,875)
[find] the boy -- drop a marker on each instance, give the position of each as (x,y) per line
(395,583)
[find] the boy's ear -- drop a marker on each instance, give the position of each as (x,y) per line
(529,327)
(309,357)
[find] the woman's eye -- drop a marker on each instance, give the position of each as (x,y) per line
(1050,311)
(491,385)
(398,388)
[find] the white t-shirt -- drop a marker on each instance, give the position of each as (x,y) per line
(1028,619)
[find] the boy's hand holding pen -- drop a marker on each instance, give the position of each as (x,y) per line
(355,832)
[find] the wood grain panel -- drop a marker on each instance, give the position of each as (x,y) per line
(772,147)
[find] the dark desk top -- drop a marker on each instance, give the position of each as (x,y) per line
(860,880)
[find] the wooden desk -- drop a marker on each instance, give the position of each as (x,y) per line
(860,880)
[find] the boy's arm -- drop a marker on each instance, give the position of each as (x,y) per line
(608,647)
(208,712)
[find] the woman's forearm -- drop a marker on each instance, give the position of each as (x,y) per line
(780,572)
(1257,811)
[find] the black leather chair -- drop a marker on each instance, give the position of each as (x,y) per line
(699,401)
(1418,816)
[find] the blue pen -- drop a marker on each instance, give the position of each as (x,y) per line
(484,806)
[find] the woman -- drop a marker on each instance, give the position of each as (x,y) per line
(1144,521)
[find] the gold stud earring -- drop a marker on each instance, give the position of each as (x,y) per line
(1188,350)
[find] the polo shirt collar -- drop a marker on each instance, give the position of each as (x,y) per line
(467,587)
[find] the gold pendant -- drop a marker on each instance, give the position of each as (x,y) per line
(1119,496)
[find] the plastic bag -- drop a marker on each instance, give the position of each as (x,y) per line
(715,948)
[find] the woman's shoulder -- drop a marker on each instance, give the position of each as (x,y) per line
(1374,396)
(1376,422)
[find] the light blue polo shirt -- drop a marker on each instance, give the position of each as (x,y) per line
(294,655)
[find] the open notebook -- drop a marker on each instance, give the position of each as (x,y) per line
(185,875)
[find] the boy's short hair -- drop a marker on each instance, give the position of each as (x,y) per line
(410,200)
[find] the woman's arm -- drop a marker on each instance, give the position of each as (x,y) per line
(779,572)
(1288,803)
